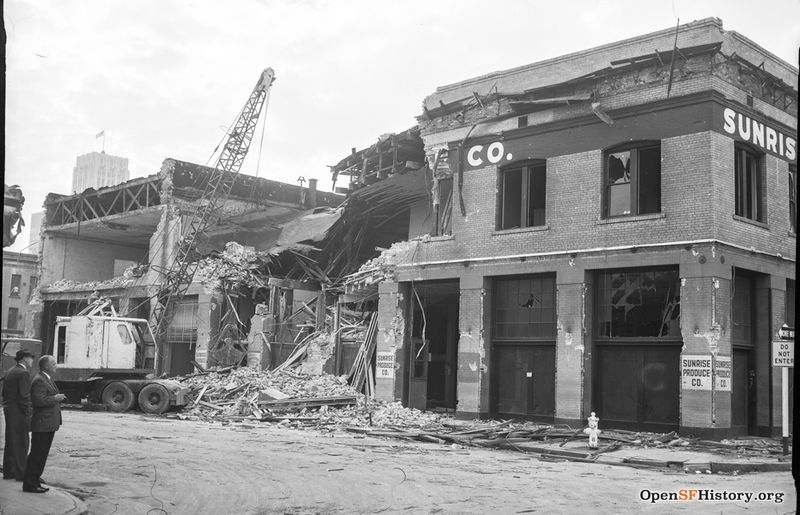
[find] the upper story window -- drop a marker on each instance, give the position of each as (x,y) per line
(793,198)
(749,183)
(523,196)
(444,215)
(632,180)
(16,284)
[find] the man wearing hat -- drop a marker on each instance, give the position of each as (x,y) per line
(17,410)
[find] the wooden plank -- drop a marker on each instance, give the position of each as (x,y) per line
(339,400)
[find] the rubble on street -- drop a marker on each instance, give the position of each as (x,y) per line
(328,403)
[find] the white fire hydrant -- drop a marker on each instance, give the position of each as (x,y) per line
(592,431)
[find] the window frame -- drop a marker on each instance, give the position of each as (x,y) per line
(529,339)
(16,282)
(12,318)
(634,148)
(526,168)
(598,302)
(756,205)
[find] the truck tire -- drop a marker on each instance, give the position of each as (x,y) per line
(118,396)
(154,398)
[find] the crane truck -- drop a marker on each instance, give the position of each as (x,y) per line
(112,359)
(109,360)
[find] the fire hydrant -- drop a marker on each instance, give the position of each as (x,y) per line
(592,431)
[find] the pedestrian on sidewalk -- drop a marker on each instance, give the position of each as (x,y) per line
(17,413)
(45,422)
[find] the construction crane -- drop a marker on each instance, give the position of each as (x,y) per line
(178,277)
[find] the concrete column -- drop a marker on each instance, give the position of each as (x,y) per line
(207,327)
(706,331)
(259,339)
(163,245)
(570,308)
(392,335)
(473,373)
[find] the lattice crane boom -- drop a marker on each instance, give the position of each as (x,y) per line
(179,276)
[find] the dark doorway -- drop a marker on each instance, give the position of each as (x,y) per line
(523,347)
(181,355)
(434,350)
(743,340)
(638,386)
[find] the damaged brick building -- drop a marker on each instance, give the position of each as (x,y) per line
(612,230)
(117,241)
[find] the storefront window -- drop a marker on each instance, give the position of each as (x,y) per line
(639,303)
(525,308)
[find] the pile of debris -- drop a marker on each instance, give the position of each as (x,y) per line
(285,396)
(236,265)
(61,285)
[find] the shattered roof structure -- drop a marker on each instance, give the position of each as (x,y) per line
(638,51)
(393,154)
(130,212)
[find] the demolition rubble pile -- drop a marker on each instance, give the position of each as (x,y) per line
(126,280)
(236,264)
(291,398)
(328,403)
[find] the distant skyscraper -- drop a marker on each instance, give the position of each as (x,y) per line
(33,230)
(98,169)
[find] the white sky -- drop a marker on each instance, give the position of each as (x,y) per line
(164,77)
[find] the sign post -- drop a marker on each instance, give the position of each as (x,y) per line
(783,357)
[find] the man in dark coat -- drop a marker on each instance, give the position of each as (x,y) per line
(45,422)
(17,412)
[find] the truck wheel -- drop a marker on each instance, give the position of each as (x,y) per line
(154,398)
(118,396)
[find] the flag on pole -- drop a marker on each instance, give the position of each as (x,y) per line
(100,134)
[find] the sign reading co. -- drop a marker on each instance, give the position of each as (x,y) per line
(493,153)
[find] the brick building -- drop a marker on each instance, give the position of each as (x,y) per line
(612,230)
(20,278)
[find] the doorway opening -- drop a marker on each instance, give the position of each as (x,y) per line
(433,352)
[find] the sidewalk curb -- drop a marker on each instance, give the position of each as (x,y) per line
(56,501)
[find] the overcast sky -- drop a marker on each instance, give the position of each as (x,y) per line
(163,78)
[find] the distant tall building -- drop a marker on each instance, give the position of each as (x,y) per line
(33,233)
(98,169)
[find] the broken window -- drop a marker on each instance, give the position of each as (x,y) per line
(633,181)
(444,221)
(793,198)
(525,308)
(748,169)
(639,303)
(16,282)
(523,195)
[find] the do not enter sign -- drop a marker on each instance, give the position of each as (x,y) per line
(782,353)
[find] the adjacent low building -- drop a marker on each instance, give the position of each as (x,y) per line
(20,279)
(609,231)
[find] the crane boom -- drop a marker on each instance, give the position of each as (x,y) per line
(179,276)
